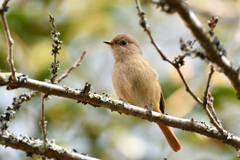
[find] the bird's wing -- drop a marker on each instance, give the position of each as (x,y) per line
(162,103)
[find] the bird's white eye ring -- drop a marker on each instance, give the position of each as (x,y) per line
(123,43)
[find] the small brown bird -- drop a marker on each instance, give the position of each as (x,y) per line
(135,80)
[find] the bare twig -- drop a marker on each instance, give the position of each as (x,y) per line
(9,39)
(205,97)
(12,109)
(188,50)
(207,102)
(194,41)
(42,121)
(75,65)
(56,48)
(210,105)
(188,89)
(143,23)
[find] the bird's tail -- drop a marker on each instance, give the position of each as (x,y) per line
(171,138)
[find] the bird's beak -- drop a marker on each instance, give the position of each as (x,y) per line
(108,42)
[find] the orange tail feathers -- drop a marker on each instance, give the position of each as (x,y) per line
(171,138)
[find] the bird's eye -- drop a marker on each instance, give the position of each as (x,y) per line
(123,43)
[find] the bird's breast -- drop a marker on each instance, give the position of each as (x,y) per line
(135,81)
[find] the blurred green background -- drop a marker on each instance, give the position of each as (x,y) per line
(99,132)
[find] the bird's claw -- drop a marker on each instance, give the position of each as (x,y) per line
(149,110)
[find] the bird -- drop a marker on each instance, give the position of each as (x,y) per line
(135,80)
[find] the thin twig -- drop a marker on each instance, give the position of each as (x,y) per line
(75,65)
(43,122)
(9,39)
(188,89)
(56,48)
(194,41)
(208,102)
(143,23)
(205,97)
(12,109)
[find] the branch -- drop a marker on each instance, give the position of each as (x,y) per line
(207,42)
(105,101)
(34,146)
(9,39)
(75,65)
